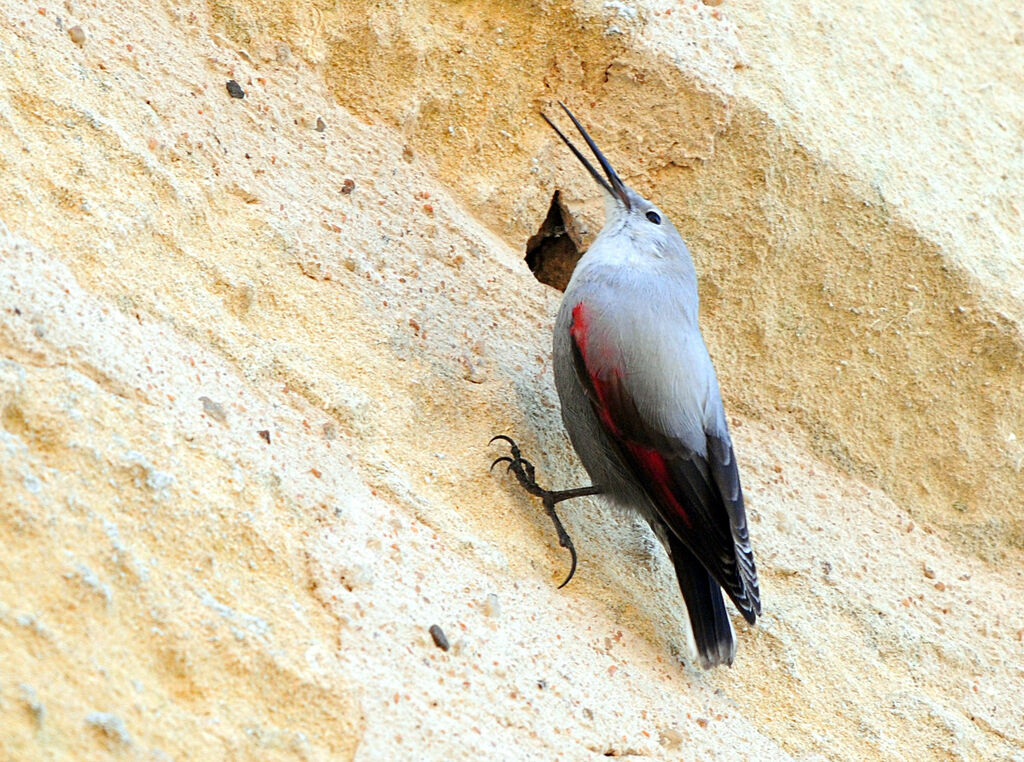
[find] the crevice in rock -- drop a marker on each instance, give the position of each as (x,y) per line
(551,253)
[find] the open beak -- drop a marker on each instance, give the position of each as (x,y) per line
(612,184)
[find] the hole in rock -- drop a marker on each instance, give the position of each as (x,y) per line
(551,253)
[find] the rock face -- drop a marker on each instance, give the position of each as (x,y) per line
(252,349)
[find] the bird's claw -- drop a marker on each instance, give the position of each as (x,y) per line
(566,543)
(502,459)
(511,443)
(526,476)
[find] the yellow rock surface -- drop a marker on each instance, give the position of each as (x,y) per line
(252,350)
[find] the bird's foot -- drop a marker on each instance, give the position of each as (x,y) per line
(525,474)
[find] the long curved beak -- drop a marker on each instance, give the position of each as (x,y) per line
(612,184)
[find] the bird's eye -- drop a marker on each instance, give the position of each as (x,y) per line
(653,217)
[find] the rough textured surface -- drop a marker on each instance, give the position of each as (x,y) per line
(251,350)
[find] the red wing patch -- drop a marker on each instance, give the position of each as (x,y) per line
(598,386)
(578,329)
(652,464)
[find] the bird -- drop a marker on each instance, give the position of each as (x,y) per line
(641,403)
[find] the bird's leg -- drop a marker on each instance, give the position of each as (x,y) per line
(523,469)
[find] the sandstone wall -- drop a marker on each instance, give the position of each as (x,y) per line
(252,350)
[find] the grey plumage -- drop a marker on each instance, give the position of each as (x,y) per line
(641,404)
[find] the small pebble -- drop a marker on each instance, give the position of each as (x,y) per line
(929,572)
(348,186)
(321,125)
(235,90)
(265,434)
(77,35)
(440,639)
(214,410)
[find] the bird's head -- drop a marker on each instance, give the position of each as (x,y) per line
(627,213)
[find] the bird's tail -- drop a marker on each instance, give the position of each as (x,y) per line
(712,630)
